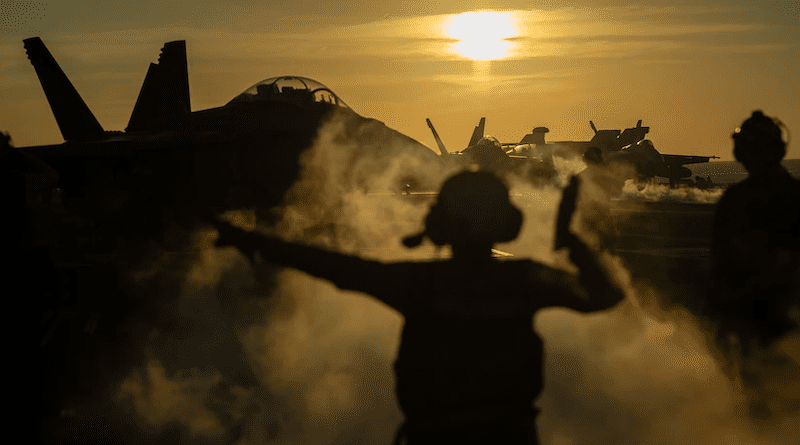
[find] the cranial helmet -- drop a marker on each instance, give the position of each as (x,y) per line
(759,138)
(473,208)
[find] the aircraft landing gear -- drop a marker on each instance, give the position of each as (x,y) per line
(673,182)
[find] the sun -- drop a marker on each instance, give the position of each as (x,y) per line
(482,35)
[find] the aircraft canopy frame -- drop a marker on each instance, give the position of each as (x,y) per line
(292,89)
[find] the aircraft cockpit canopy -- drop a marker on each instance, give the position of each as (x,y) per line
(647,144)
(292,89)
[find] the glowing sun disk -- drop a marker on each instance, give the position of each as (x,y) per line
(482,34)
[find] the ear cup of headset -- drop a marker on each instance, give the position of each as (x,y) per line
(442,228)
(771,151)
(510,230)
(438,227)
(473,207)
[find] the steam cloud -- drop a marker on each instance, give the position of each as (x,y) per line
(663,193)
(321,358)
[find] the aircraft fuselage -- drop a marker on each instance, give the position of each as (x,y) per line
(245,154)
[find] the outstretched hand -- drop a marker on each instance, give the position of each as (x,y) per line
(229,235)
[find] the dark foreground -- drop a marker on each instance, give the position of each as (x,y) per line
(94,334)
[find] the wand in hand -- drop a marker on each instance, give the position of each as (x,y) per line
(564,238)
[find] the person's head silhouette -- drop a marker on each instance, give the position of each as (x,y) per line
(473,213)
(758,144)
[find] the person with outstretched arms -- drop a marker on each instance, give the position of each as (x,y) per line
(469,366)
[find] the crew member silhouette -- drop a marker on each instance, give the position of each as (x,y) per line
(469,365)
(756,246)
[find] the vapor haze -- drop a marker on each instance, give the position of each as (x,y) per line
(321,358)
(654,192)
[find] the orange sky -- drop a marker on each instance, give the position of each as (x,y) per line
(691,72)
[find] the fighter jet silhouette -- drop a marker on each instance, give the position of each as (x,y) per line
(629,146)
(649,163)
(606,140)
(489,153)
(242,154)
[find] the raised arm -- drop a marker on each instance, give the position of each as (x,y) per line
(595,291)
(599,291)
(344,271)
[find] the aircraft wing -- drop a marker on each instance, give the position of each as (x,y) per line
(685,159)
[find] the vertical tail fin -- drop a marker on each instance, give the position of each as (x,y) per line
(439,142)
(164,98)
(477,133)
(633,135)
(606,140)
(73,116)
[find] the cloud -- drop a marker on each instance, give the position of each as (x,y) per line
(21,16)
(560,33)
